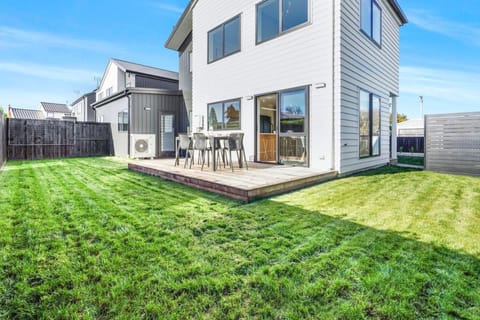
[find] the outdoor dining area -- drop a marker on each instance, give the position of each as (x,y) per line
(197,149)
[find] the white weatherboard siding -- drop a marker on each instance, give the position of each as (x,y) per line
(111,80)
(366,66)
(302,57)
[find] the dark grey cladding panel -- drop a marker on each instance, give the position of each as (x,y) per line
(147,108)
(155,83)
(185,75)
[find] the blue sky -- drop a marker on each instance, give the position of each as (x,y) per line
(53,50)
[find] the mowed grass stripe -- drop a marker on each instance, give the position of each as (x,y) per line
(120,245)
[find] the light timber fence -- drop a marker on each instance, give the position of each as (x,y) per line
(3,140)
(49,139)
(453,143)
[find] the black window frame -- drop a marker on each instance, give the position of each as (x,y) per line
(222,25)
(369,33)
(122,125)
(371,97)
(280,21)
(224,102)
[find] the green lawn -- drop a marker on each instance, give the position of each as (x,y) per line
(417,161)
(87,239)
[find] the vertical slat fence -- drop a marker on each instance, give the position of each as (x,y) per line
(3,140)
(49,139)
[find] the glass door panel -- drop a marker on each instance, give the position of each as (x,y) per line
(267,142)
(293,137)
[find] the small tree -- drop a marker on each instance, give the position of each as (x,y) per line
(401,117)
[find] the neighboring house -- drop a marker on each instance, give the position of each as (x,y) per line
(82,108)
(55,110)
(17,113)
(411,128)
(139,100)
(310,83)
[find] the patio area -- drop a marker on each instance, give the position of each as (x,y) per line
(259,181)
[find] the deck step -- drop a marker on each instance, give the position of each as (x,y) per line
(245,185)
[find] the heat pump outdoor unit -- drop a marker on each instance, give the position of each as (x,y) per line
(142,146)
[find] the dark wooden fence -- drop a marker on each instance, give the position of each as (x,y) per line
(48,139)
(411,144)
(3,140)
(453,143)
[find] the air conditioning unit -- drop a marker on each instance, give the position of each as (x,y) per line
(143,146)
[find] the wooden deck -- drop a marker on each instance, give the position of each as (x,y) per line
(260,181)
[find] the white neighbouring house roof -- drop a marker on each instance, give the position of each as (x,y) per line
(411,128)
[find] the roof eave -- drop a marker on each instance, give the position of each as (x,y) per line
(182,29)
(398,10)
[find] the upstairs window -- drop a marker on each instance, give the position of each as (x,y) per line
(123,121)
(370,124)
(224,40)
(275,17)
(371,20)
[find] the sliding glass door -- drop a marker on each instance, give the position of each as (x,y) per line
(282,126)
(293,126)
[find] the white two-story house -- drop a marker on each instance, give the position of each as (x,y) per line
(309,82)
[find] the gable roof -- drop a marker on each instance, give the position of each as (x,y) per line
(55,107)
(18,113)
(85,95)
(127,66)
(184,25)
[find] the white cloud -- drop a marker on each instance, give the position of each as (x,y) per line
(13,37)
(443,84)
(49,72)
(452,29)
(167,7)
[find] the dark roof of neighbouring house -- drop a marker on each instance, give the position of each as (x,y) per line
(127,66)
(184,24)
(18,113)
(85,95)
(55,107)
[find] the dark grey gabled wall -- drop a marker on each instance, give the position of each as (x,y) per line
(91,98)
(185,76)
(146,110)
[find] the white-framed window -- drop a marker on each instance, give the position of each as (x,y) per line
(123,121)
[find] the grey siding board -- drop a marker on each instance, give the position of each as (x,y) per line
(452,143)
(110,114)
(3,140)
(91,98)
(363,65)
(148,122)
(186,81)
(142,81)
